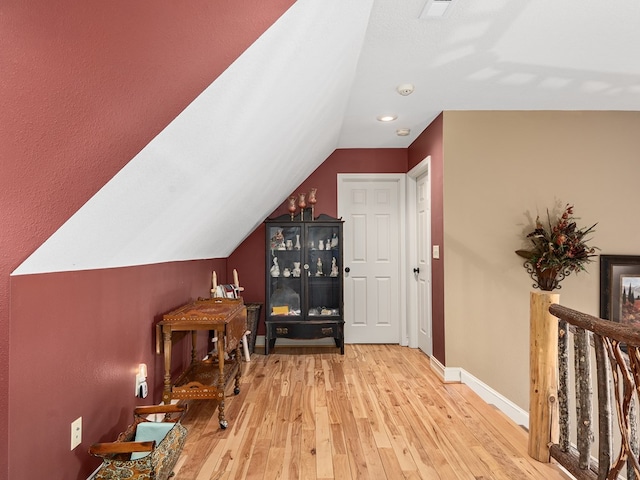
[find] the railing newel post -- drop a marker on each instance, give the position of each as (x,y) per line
(543,369)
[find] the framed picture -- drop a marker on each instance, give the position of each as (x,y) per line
(620,288)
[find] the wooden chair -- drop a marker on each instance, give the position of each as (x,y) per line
(146,449)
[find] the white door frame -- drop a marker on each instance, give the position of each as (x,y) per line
(401,179)
(412,248)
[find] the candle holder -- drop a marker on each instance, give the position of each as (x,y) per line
(302,203)
(292,207)
(312,200)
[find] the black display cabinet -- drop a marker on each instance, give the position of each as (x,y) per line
(304,280)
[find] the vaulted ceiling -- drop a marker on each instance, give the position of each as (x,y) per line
(315,81)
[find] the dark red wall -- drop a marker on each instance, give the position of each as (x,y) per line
(249,257)
(85,86)
(75,350)
(430,143)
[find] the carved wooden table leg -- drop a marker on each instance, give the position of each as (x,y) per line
(166,395)
(221,418)
(238,372)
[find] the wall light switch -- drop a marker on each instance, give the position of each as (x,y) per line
(436,251)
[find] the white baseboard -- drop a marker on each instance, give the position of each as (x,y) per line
(484,391)
(447,375)
(502,403)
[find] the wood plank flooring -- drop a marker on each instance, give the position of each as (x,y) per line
(377,412)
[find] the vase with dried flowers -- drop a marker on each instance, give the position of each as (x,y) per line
(557,249)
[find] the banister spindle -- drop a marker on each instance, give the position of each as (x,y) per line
(583,396)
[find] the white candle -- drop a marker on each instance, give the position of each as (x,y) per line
(215,280)
(236,282)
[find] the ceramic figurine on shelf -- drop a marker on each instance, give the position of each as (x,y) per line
(289,244)
(277,241)
(287,272)
(275,269)
(319,272)
(296,269)
(328,244)
(334,241)
(297,245)
(334,268)
(320,244)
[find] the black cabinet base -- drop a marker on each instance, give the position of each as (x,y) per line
(304,330)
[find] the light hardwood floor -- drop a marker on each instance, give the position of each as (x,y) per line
(378,412)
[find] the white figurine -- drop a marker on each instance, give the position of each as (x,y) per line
(296,269)
(334,241)
(319,272)
(275,269)
(320,244)
(287,272)
(334,267)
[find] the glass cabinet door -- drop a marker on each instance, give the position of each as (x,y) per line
(284,281)
(322,261)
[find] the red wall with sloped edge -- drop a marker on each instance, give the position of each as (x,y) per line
(85,86)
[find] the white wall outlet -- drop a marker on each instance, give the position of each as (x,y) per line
(76,432)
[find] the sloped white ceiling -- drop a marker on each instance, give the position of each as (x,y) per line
(231,157)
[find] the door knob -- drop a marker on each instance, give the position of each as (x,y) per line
(347,269)
(416,270)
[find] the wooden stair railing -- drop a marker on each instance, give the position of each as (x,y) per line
(617,354)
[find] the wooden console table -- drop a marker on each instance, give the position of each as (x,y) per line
(205,379)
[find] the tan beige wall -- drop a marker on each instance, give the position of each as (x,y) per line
(500,170)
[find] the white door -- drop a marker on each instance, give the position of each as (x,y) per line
(423,273)
(372,207)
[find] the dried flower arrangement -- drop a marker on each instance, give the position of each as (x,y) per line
(557,251)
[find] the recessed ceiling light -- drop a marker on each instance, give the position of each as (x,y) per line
(403,132)
(386,118)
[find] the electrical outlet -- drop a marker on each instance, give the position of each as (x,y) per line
(76,432)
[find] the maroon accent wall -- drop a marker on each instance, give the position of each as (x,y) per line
(430,142)
(75,348)
(85,86)
(249,257)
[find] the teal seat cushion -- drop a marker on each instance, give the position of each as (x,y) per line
(148,431)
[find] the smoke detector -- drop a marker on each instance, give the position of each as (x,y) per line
(403,132)
(405,89)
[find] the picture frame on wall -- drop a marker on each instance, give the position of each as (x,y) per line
(620,288)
